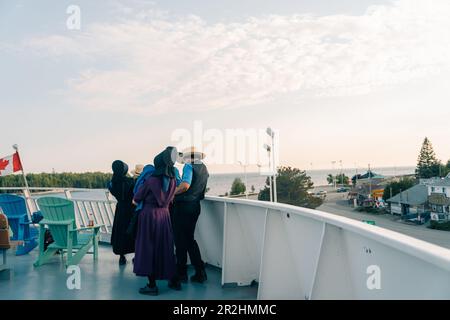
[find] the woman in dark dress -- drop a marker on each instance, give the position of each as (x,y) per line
(121,187)
(155,258)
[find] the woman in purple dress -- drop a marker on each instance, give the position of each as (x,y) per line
(154,257)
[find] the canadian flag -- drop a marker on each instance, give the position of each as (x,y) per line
(10,164)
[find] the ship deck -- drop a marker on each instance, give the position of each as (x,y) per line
(104,280)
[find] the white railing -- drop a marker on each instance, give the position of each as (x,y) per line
(298,253)
(101,210)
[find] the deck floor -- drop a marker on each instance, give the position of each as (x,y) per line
(104,280)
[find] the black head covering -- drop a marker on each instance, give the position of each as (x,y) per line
(121,186)
(164,163)
(120,169)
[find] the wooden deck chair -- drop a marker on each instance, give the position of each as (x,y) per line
(59,217)
(24,232)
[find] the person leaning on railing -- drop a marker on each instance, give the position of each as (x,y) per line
(121,187)
(185,212)
(154,257)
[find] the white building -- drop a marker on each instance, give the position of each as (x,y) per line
(439,198)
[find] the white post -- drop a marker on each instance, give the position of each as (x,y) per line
(275,196)
(270,179)
(246,184)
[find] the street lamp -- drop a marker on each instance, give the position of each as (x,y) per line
(333,175)
(271,134)
(267,147)
(245,175)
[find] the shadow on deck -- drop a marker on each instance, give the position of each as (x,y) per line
(104,280)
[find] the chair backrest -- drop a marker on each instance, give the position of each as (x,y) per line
(14,208)
(58,209)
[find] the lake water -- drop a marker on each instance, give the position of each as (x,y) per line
(219,184)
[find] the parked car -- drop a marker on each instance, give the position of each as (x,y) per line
(341,190)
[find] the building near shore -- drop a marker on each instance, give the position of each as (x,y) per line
(368,189)
(438,191)
(411,201)
(429,197)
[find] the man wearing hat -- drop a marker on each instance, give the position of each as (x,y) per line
(137,171)
(185,212)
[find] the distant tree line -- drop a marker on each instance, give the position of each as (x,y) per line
(90,180)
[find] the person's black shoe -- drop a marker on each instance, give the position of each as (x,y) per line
(184,278)
(175,285)
(149,291)
(199,276)
(122,260)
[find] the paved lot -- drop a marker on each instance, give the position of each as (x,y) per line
(336,203)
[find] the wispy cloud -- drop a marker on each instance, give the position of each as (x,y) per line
(158,63)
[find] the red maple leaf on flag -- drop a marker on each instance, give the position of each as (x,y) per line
(3,164)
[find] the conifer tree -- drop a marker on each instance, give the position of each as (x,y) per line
(428,165)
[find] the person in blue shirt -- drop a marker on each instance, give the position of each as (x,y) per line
(191,188)
(184,181)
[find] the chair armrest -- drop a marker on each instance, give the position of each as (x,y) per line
(97,226)
(56,223)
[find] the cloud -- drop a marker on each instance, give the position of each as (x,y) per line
(150,62)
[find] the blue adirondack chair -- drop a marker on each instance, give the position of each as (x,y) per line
(59,217)
(23,231)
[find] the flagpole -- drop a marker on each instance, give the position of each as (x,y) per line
(16,148)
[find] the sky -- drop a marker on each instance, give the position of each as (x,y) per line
(361,81)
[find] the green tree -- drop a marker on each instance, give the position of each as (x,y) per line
(428,165)
(398,186)
(292,188)
(96,180)
(238,187)
(330,179)
(446,169)
(339,179)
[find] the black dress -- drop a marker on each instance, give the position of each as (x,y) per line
(121,187)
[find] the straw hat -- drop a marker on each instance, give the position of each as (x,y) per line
(137,170)
(192,151)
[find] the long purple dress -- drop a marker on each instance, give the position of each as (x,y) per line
(154,240)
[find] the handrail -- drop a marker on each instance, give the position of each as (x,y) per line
(48,189)
(263,241)
(419,248)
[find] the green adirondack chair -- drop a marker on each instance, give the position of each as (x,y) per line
(59,217)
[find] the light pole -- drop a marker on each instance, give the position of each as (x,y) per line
(342,173)
(267,147)
(271,134)
(245,175)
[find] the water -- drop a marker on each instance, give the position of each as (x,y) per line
(319,177)
(219,184)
